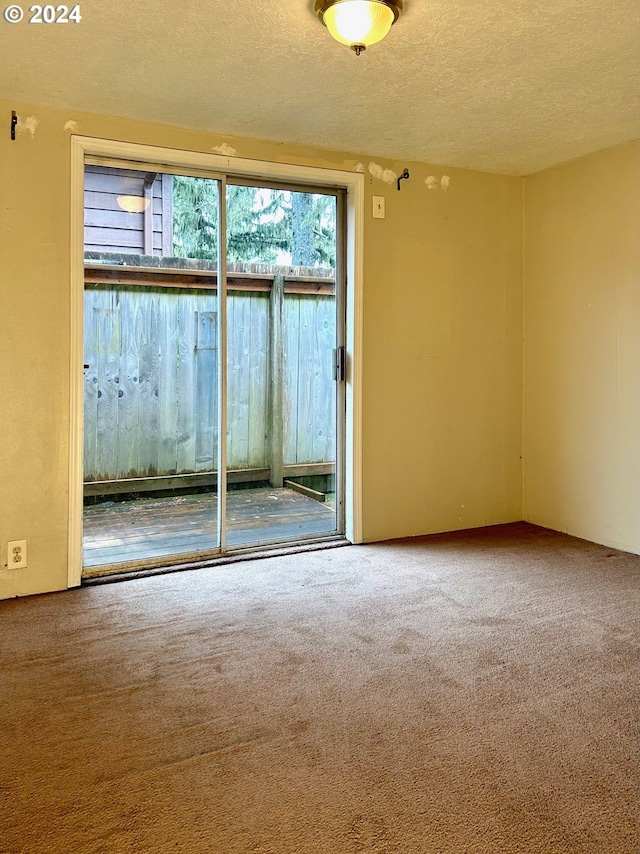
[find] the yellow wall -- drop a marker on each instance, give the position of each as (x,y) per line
(582,348)
(442,366)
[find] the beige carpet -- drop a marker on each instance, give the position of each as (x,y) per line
(471,692)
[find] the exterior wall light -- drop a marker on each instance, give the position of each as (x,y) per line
(358,23)
(133,204)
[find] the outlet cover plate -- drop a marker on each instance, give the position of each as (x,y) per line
(17,554)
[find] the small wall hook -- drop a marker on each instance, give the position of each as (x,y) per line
(14,122)
(404,175)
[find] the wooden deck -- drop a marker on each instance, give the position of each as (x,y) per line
(152,528)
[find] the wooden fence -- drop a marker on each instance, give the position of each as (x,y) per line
(150,388)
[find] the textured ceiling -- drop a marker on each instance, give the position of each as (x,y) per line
(510,86)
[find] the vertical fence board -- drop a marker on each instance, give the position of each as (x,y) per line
(275,396)
(258,382)
(306,379)
(131,312)
(291,351)
(167,383)
(107,350)
(186,379)
(329,385)
(244,360)
(322,426)
(238,379)
(148,398)
(206,395)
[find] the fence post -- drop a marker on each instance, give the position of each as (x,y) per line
(276,372)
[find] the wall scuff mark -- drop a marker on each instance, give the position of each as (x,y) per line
(29,124)
(432,182)
(71,125)
(223,148)
(386,175)
(359,167)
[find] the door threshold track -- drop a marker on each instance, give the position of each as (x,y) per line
(112,574)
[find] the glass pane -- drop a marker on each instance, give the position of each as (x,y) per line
(151,363)
(281,394)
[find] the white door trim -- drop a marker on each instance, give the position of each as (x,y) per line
(353,182)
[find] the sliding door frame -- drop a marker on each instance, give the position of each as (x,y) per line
(221,480)
(214,166)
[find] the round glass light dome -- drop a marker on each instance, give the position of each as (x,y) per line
(358,23)
(133,204)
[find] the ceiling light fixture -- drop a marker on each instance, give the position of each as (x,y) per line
(358,23)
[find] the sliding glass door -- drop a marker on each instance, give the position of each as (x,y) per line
(213,336)
(285,325)
(151,366)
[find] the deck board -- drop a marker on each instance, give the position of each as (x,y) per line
(149,528)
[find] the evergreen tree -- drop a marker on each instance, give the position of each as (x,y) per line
(323,218)
(302,235)
(195,218)
(265,226)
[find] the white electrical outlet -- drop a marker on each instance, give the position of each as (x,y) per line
(17,554)
(378,207)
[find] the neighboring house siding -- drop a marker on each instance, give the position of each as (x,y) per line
(108,228)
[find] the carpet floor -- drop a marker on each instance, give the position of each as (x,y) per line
(471,692)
